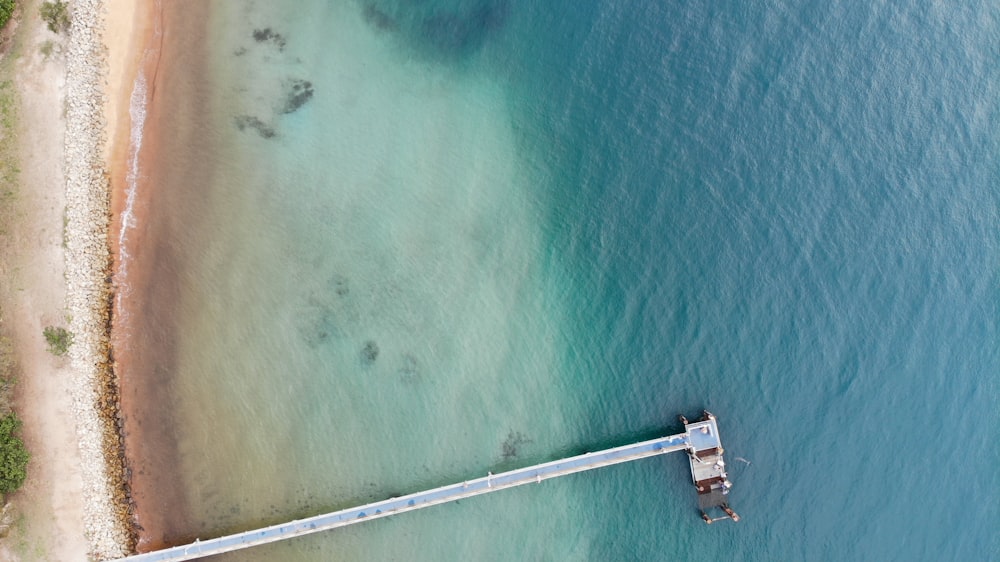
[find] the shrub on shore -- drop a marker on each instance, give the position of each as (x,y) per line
(6,376)
(13,455)
(6,10)
(6,357)
(59,339)
(56,15)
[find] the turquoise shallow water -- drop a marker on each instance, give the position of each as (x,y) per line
(435,239)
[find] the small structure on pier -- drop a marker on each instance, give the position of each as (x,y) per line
(708,469)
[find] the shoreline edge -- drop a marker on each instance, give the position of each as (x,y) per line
(108,509)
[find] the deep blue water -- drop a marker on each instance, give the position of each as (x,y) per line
(563,223)
(788,213)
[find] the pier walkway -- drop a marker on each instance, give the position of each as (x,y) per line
(392,506)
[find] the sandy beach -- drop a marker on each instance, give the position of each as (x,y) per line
(129,30)
(135,58)
(56,263)
(144,360)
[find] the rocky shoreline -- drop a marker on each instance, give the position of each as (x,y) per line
(108,519)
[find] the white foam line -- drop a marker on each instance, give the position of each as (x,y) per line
(138,102)
(137,113)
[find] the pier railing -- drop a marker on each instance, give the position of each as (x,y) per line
(700,440)
(393,506)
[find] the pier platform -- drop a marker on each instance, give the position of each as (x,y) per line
(708,468)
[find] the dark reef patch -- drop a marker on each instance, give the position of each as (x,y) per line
(451,31)
(319,325)
(328,313)
(298,94)
(340,285)
(244,122)
(512,444)
(267,35)
(458,32)
(409,372)
(369,353)
(379,19)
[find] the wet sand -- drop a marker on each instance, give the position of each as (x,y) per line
(145,274)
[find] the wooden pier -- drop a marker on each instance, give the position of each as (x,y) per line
(699,439)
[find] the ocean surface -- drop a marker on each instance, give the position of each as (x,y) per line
(391,245)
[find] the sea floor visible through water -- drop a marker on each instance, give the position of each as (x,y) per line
(389,245)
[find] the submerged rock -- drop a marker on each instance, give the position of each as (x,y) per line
(439,30)
(300,92)
(250,122)
(379,19)
(267,35)
(511,446)
(327,313)
(369,353)
(456,33)
(319,324)
(341,286)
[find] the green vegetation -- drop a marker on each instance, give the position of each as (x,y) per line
(8,123)
(59,339)
(6,357)
(13,455)
(56,15)
(46,48)
(7,378)
(6,10)
(8,106)
(8,152)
